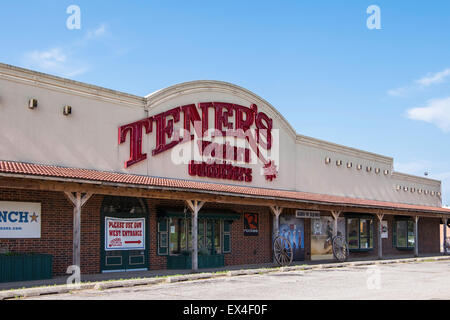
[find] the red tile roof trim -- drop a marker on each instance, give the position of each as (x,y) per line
(20,168)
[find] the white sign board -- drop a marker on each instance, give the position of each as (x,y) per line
(124,234)
(307,214)
(384,230)
(20,220)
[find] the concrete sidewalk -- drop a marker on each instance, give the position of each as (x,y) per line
(127,279)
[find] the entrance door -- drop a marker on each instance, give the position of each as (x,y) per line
(124,235)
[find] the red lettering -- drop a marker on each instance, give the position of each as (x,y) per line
(220,171)
(264,125)
(205,112)
(190,116)
(241,123)
(221,119)
(167,136)
(135,130)
(165,129)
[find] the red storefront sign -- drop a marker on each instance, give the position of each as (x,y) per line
(196,116)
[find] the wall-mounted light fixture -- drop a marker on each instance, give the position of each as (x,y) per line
(67,110)
(32,104)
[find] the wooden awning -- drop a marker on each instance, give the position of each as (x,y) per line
(54,178)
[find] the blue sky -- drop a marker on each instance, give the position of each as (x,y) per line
(386,91)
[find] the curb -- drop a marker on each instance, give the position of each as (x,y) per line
(126,283)
(59,289)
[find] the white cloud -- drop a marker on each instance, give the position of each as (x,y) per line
(434,78)
(399,92)
(428,80)
(100,31)
(48,59)
(63,60)
(437,112)
(55,61)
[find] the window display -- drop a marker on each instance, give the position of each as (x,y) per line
(360,233)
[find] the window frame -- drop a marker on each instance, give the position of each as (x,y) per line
(408,222)
(160,234)
(224,234)
(371,232)
(188,225)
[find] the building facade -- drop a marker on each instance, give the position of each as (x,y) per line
(200,174)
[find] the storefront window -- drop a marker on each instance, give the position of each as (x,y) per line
(352,233)
(176,234)
(402,228)
(182,235)
(209,233)
(404,234)
(217,236)
(411,236)
(360,233)
(365,234)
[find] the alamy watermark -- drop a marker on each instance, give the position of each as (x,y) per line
(73,22)
(374,20)
(74,281)
(373,280)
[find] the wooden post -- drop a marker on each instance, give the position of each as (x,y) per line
(445,220)
(380,231)
(416,236)
(78,200)
(195,207)
(276,223)
(335,215)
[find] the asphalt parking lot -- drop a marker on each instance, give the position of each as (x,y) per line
(421,280)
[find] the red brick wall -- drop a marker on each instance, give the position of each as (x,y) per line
(157,262)
(90,235)
(251,249)
(56,227)
(57,231)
